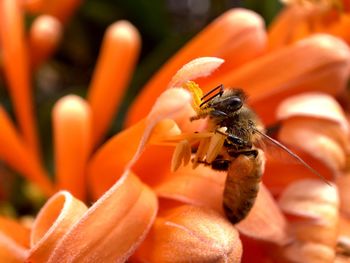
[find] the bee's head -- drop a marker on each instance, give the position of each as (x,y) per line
(229,102)
(218,103)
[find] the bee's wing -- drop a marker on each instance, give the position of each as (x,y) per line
(277,150)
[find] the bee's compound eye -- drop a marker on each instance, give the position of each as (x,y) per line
(233,103)
(226,105)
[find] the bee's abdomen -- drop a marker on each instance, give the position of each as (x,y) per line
(242,186)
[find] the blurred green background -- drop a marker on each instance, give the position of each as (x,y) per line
(164,26)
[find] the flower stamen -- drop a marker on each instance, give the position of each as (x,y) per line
(182,154)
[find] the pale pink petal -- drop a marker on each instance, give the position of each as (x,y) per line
(343,184)
(191,234)
(311,199)
(200,67)
(312,207)
(171,103)
(55,219)
(112,228)
(109,161)
(313,104)
(319,138)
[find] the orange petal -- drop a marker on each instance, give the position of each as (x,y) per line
(54,220)
(309,252)
(283,28)
(327,67)
(316,233)
(316,124)
(72,143)
(343,184)
(17,232)
(242,29)
(265,221)
(113,227)
(107,165)
(14,152)
(116,61)
(188,185)
(154,156)
(191,186)
(10,251)
(320,201)
(339,28)
(175,104)
(44,36)
(292,170)
(313,104)
(318,138)
(191,234)
(343,241)
(171,103)
(14,49)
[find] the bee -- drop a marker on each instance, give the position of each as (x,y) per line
(233,142)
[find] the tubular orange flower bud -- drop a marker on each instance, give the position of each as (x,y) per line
(72,140)
(44,36)
(15,153)
(116,61)
(14,48)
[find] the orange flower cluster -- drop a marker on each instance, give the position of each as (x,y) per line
(143,212)
(301,18)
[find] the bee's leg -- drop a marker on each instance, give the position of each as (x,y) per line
(234,140)
(201,113)
(220,164)
(218,113)
(250,153)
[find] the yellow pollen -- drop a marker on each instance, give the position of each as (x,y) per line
(197,95)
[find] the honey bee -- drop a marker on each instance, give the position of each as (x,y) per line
(233,142)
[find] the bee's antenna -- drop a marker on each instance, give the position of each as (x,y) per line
(294,155)
(220,92)
(220,87)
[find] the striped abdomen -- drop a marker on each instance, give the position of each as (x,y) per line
(242,186)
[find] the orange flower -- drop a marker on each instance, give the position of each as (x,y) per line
(315,124)
(142,210)
(300,19)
